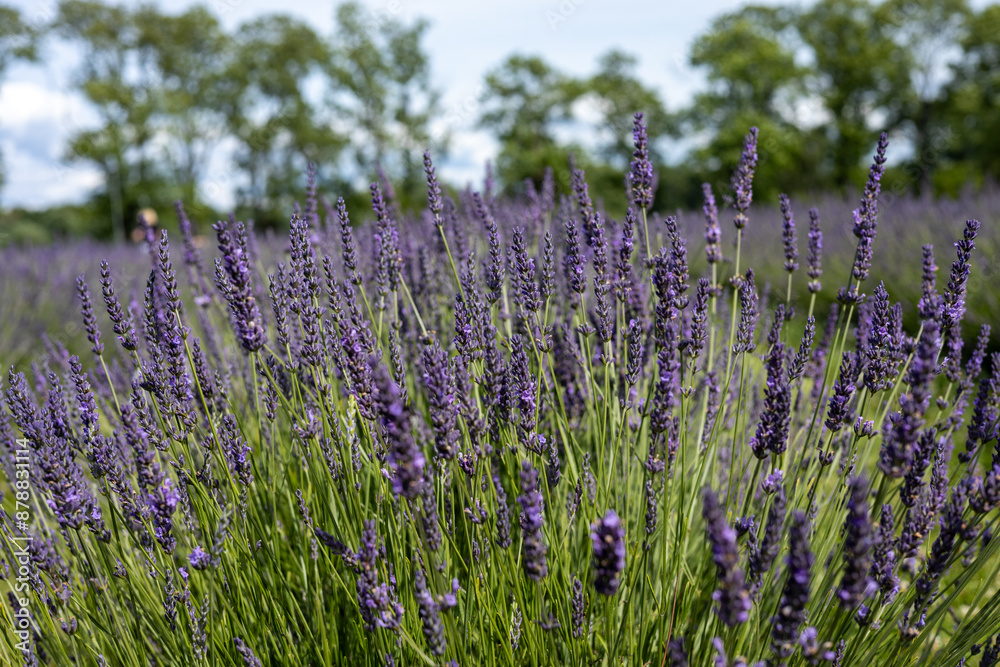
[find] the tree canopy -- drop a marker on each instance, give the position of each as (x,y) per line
(187,109)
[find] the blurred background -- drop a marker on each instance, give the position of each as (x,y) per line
(110,109)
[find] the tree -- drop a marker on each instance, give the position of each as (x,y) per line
(183,57)
(18,41)
(749,57)
(860,72)
(973,100)
(109,76)
(277,126)
(754,79)
(525,100)
(382,93)
(618,93)
(931,32)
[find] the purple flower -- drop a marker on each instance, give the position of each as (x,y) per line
(732,597)
(625,277)
(772,483)
(743,178)
(573,266)
(502,539)
(791,613)
(85,403)
(840,410)
(953,528)
(677,263)
(602,284)
(389,258)
(929,306)
(521,384)
(89,319)
(881,344)
(236,450)
(121,320)
(748,315)
(903,428)
(854,583)
(242,302)
(913,480)
(788,234)
(199,559)
(713,233)
(249,658)
(68,494)
(641,174)
(699,319)
(349,250)
(528,292)
(442,402)
(377,601)
(579,609)
(607,537)
(814,260)
(772,431)
(866,218)
(884,557)
(404,455)
(162,502)
(761,557)
(434,201)
(430,615)
(953,301)
(532,520)
(985,410)
(798,362)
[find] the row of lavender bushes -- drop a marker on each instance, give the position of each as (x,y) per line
(503,432)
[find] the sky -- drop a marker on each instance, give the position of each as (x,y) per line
(39,109)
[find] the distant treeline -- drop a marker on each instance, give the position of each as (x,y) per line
(173,90)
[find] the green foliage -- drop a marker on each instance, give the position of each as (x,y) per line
(382,89)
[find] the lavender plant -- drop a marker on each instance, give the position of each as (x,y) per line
(417,441)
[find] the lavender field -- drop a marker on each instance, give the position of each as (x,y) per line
(510,431)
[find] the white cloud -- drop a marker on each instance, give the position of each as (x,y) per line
(36,120)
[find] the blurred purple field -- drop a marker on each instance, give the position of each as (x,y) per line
(38,294)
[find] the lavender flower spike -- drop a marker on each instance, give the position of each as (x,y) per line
(430,615)
(866,218)
(532,521)
(121,320)
(641,174)
(901,432)
(840,410)
(814,260)
(89,319)
(442,400)
(772,431)
(713,233)
(607,536)
(242,303)
(732,597)
(743,178)
(748,315)
(404,454)
(788,234)
(854,584)
(434,201)
(791,613)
